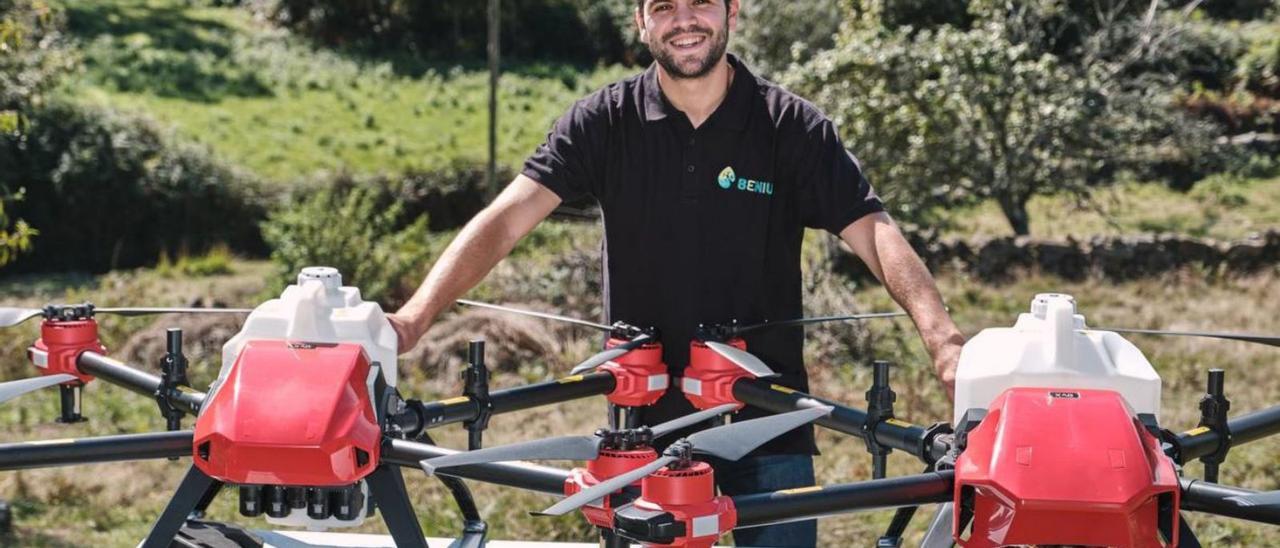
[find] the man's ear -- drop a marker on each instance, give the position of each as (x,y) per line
(734,6)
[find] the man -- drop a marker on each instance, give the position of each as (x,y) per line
(707,177)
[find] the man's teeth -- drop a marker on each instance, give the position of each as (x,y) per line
(688,42)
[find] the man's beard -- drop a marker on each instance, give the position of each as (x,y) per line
(667,58)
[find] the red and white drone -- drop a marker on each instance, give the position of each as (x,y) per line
(1055,440)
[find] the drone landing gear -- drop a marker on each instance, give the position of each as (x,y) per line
(195,487)
(386,487)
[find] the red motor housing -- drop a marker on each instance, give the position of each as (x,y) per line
(291,413)
(610,463)
(640,376)
(60,344)
(708,380)
(689,495)
(1060,466)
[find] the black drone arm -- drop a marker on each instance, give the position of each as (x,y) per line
(1254,426)
(531,477)
(1211,498)
(136,380)
(808,503)
(913,439)
(66,452)
(461,409)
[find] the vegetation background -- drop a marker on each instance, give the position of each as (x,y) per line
(198,152)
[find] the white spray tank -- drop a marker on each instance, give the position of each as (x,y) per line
(319,309)
(1051,347)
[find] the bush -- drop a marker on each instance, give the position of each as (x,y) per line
(350,229)
(773,33)
(108,190)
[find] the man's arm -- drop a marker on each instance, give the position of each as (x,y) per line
(878,242)
(487,239)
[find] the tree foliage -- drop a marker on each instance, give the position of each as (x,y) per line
(1034,98)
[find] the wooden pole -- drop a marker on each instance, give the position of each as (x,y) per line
(495,23)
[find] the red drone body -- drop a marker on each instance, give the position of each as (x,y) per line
(708,380)
(291,413)
(610,463)
(640,375)
(1065,467)
(689,495)
(61,342)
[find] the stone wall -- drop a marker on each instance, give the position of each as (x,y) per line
(1114,258)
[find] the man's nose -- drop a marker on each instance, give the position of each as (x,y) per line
(685,15)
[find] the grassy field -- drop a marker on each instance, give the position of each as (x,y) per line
(1222,207)
(112,505)
(263,99)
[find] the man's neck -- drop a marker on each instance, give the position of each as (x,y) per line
(697,98)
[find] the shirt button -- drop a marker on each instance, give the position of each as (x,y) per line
(690,168)
(692,141)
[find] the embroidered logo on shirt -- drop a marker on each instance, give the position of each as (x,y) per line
(728,180)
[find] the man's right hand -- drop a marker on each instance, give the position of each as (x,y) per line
(407,332)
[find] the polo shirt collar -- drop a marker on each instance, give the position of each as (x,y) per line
(732,112)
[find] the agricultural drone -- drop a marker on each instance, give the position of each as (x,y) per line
(1055,438)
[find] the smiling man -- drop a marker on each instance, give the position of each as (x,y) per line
(707,177)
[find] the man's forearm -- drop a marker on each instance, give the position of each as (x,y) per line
(466,261)
(486,239)
(879,243)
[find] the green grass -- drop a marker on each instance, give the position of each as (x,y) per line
(1221,206)
(267,101)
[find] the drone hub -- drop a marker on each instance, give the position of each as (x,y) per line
(610,463)
(62,341)
(291,413)
(678,507)
(1031,475)
(640,375)
(709,378)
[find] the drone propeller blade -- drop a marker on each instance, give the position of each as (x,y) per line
(819,319)
(542,315)
(145,311)
(604,488)
(561,448)
(13,389)
(1270,340)
(10,317)
(610,354)
(670,426)
(743,359)
(733,441)
(1269,498)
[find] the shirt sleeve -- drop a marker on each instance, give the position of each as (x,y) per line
(568,163)
(833,190)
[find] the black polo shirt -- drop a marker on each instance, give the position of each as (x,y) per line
(705,225)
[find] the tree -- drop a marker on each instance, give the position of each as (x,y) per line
(1033,98)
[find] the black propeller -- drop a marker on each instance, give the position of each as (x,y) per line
(1269,340)
(636,337)
(562,448)
(10,317)
(729,442)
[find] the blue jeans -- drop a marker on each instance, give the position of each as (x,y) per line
(769,473)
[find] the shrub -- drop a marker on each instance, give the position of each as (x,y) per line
(109,190)
(350,229)
(773,33)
